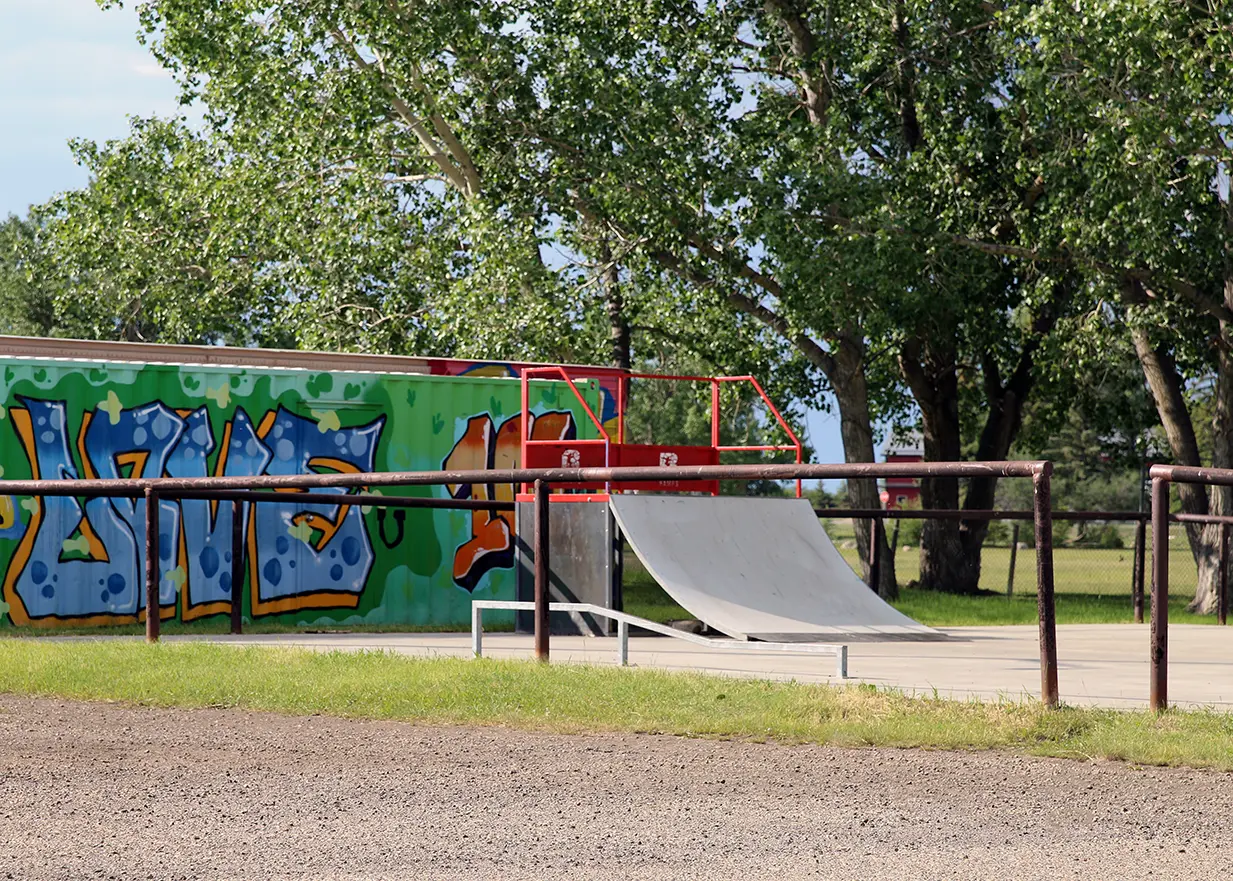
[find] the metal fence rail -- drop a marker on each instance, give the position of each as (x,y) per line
(154,489)
(625,620)
(1162,476)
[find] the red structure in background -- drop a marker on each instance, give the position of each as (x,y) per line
(902,492)
(607,451)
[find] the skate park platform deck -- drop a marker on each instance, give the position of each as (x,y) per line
(1100,664)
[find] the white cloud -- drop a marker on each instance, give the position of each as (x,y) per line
(150,68)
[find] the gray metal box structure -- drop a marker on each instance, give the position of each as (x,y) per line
(584,564)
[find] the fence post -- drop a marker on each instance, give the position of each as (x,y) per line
(1158,694)
(237,566)
(152,604)
(541,570)
(1043,516)
(1014,551)
(1136,578)
(875,541)
(1222,597)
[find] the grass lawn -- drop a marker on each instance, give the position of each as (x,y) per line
(568,698)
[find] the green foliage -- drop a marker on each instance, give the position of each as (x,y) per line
(25,300)
(999,534)
(910,533)
(1104,535)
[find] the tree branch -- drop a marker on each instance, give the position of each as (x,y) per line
(813,352)
(816,88)
(427,141)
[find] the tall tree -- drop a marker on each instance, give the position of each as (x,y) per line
(26,301)
(1127,109)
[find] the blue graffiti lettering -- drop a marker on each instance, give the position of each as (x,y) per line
(80,560)
(103,578)
(326,545)
(207,525)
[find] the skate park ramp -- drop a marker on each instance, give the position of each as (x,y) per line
(757,569)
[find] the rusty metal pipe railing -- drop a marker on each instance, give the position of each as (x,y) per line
(1158,675)
(978,514)
(153,606)
(1162,476)
(368,500)
(154,488)
(170,486)
(1190,474)
(237,567)
(1045,614)
(542,570)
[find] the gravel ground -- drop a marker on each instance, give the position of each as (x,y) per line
(110,791)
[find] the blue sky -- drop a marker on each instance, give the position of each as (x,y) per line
(71,70)
(67,70)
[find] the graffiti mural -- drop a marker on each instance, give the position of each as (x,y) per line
(484,445)
(68,544)
(81,561)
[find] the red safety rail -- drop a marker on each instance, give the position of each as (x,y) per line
(603,452)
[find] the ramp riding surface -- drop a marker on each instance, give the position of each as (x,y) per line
(756,569)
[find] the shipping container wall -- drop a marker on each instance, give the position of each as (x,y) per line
(81,562)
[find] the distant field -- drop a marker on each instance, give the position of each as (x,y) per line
(1075,569)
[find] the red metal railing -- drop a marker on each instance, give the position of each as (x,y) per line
(525,428)
(633,454)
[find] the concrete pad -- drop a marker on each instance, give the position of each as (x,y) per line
(1099,664)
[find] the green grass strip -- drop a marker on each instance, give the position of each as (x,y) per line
(572,699)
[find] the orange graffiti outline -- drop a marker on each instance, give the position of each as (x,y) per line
(20,616)
(321,599)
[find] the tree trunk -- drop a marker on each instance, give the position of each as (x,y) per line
(844,368)
(931,372)
(614,299)
(1166,386)
(848,381)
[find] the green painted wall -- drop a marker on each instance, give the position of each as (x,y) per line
(80,562)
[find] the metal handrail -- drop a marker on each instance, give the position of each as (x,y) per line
(624,620)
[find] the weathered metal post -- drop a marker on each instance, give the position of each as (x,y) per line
(152,604)
(875,541)
(1045,613)
(1222,597)
(1158,696)
(1014,552)
(237,566)
(1136,578)
(541,570)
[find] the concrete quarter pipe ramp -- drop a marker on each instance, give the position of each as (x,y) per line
(756,568)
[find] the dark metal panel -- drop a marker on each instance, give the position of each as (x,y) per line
(580,570)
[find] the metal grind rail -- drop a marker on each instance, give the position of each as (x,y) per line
(154,489)
(625,620)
